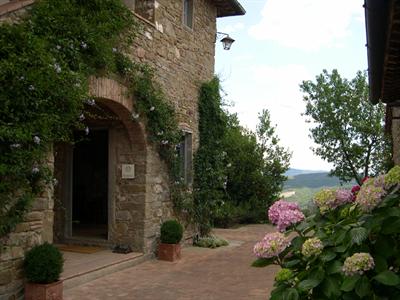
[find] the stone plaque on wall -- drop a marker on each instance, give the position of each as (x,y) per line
(128,171)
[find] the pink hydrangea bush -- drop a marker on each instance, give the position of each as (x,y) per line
(284,214)
(271,245)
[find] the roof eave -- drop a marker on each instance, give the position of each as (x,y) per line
(229,8)
(376,18)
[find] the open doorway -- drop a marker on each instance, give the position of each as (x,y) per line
(90,185)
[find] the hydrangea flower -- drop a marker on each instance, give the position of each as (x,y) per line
(358,263)
(343,197)
(393,176)
(371,194)
(283,275)
(328,199)
(36,140)
(312,246)
(325,199)
(284,214)
(272,245)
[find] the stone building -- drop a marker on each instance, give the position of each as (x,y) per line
(383,38)
(113,188)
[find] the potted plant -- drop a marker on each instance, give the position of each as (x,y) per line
(171,234)
(43,265)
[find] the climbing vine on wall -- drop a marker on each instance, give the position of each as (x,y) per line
(46,59)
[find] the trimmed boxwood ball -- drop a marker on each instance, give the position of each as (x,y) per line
(43,264)
(171,232)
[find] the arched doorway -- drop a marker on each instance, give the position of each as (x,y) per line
(100,198)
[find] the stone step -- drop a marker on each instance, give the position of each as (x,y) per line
(81,268)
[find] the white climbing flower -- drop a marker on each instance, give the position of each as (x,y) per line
(36,139)
(57,68)
(90,102)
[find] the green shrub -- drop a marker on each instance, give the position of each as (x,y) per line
(43,264)
(171,232)
(210,242)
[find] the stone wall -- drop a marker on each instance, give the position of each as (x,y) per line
(36,229)
(182,57)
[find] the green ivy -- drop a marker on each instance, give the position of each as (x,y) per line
(47,58)
(210,171)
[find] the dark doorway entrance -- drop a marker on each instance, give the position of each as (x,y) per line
(90,185)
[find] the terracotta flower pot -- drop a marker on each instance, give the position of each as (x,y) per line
(44,291)
(169,252)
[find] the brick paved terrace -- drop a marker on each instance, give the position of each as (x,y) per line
(223,273)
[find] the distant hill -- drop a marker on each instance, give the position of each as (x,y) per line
(313,180)
(293,172)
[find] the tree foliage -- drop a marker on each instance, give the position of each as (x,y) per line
(347,128)
(238,173)
(256,166)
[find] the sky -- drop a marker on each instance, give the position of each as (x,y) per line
(280,43)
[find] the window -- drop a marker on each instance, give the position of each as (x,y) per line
(144,8)
(185,154)
(188,13)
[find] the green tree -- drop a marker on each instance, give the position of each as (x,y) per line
(255,167)
(347,128)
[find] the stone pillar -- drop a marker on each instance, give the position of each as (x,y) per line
(396,134)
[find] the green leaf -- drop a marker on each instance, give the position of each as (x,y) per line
(340,238)
(262,262)
(330,287)
(363,287)
(292,263)
(358,235)
(341,248)
(334,267)
(290,294)
(384,247)
(391,225)
(328,256)
(349,283)
(297,242)
(277,294)
(318,274)
(308,284)
(380,263)
(388,278)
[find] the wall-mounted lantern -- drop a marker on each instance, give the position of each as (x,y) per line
(225,39)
